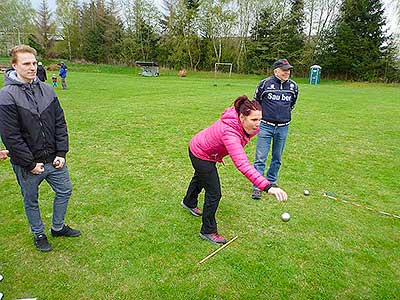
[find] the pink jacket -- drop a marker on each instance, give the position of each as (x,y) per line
(227,136)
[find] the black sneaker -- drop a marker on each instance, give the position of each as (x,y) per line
(41,243)
(65,231)
(256,195)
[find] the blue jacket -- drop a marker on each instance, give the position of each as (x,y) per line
(63,71)
(277,99)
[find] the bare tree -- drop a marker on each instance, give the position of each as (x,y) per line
(246,12)
(68,20)
(320,15)
(15,23)
(217,23)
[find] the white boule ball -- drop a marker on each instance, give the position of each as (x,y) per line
(285,217)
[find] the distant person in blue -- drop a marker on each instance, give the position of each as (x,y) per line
(63,75)
(277,96)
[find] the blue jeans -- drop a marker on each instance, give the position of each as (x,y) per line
(277,135)
(59,181)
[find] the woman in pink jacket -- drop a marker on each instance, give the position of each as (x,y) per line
(227,136)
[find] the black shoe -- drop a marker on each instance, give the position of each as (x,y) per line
(65,231)
(41,243)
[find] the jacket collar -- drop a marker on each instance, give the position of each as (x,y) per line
(278,80)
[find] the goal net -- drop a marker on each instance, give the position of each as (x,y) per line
(222,71)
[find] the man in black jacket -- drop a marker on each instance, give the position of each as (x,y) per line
(277,96)
(34,131)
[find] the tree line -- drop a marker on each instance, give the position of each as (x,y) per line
(346,37)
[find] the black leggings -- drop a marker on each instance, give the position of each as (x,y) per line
(205,176)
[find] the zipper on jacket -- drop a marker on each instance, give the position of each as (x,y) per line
(40,121)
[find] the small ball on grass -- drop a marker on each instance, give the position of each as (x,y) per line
(285,217)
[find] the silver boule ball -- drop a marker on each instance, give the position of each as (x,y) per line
(285,217)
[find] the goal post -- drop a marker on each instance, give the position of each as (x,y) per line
(222,66)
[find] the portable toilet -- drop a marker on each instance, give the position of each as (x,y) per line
(315,74)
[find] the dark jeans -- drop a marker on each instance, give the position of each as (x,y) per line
(205,176)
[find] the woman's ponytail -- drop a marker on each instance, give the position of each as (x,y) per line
(243,105)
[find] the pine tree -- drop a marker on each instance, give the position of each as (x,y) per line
(294,34)
(114,33)
(266,40)
(102,32)
(357,45)
(93,31)
(46,29)
(279,34)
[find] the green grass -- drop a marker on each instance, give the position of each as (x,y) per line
(129,166)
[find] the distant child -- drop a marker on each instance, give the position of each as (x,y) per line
(54,80)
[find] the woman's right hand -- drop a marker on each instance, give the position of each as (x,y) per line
(279,194)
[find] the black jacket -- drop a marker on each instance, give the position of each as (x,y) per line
(41,73)
(277,99)
(32,123)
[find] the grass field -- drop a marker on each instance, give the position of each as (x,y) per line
(129,166)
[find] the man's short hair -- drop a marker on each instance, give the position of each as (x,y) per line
(20,49)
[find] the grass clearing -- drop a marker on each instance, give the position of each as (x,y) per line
(130,169)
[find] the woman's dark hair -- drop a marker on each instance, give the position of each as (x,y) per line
(244,105)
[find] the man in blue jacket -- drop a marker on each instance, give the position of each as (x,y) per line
(34,131)
(277,96)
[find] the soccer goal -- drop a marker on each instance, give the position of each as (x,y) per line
(222,71)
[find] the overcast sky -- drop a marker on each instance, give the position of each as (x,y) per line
(389,4)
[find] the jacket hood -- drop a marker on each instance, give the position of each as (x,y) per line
(230,117)
(11,78)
